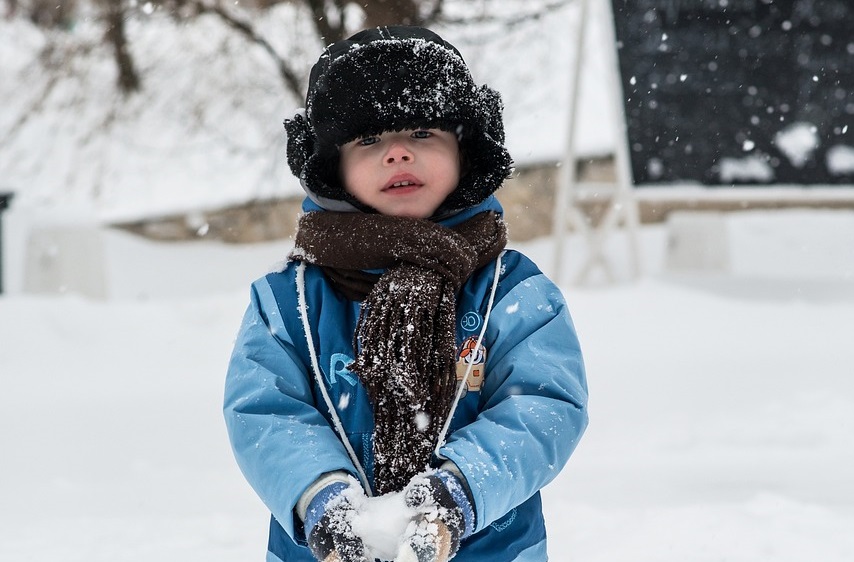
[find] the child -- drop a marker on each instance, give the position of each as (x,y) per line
(402,354)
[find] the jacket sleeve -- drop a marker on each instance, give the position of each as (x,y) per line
(281,441)
(534,401)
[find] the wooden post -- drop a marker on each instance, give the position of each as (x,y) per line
(621,209)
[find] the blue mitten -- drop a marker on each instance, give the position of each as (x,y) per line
(445,517)
(328,525)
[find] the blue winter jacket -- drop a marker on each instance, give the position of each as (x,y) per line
(520,419)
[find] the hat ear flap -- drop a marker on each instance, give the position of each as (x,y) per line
(489,102)
(301,141)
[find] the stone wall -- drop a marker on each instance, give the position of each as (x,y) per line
(528,200)
(527,197)
(256,221)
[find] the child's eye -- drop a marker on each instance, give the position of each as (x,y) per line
(367,141)
(421,134)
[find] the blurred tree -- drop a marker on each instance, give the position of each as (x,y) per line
(333,20)
(44,13)
(329,18)
(11,8)
(114,13)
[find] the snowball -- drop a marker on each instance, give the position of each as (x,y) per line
(382,522)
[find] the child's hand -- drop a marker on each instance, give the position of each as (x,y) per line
(329,525)
(445,517)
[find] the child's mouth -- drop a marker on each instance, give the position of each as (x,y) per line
(402,188)
(402,184)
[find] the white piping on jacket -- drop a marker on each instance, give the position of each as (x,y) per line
(318,376)
(444,433)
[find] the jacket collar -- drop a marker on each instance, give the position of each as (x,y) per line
(450,219)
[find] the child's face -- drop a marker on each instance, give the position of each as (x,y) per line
(404,174)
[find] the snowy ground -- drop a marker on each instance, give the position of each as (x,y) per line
(722,407)
(722,403)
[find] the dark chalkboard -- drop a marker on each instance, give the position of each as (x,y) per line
(738,92)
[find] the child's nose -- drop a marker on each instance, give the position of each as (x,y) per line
(398,152)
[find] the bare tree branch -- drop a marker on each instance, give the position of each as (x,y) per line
(512,21)
(327,16)
(328,32)
(390,12)
(435,13)
(115,14)
(286,73)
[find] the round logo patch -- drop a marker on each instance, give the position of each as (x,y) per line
(470,321)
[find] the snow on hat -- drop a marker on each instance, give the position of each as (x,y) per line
(390,79)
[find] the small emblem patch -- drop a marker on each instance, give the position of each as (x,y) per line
(470,321)
(471,354)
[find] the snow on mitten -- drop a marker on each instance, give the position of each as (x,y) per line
(329,524)
(445,517)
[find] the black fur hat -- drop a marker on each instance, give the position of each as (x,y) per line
(390,79)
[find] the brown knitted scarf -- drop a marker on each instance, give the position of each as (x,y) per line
(405,339)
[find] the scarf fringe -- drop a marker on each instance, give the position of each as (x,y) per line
(406,364)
